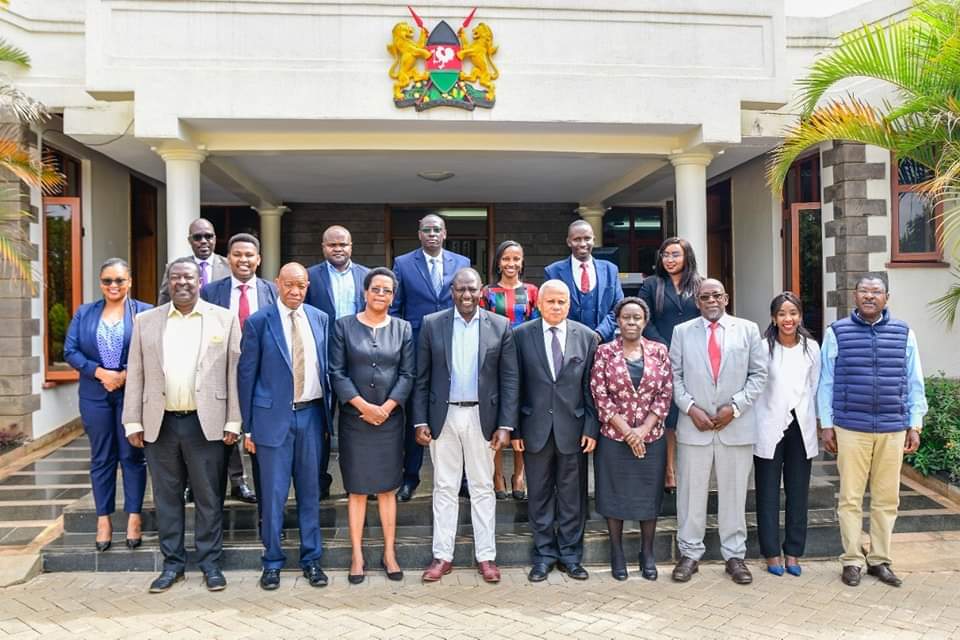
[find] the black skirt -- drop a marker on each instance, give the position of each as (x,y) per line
(371,458)
(627,487)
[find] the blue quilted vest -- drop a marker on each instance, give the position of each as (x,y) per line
(870,374)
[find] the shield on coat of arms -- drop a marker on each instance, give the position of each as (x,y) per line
(444,65)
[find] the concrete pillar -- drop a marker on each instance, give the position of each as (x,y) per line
(690,171)
(593,213)
(183,196)
(270,240)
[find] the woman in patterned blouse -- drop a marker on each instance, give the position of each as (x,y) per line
(632,386)
(96,346)
(517,301)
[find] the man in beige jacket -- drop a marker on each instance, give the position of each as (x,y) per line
(181,404)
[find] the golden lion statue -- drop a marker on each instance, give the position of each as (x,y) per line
(405,53)
(480,54)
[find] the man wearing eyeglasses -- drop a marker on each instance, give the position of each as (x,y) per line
(719,369)
(423,287)
(203,240)
(871,402)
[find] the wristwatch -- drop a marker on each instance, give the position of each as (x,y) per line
(736,409)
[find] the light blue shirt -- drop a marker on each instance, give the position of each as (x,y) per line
(465,354)
(344,290)
(916,394)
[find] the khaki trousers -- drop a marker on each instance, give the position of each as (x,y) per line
(876,457)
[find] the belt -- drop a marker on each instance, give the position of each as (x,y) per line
(297,406)
(181,414)
(471,403)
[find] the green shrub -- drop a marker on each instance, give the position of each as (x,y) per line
(940,443)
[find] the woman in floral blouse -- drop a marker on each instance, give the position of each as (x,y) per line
(517,301)
(632,386)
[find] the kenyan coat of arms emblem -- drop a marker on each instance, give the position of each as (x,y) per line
(445,80)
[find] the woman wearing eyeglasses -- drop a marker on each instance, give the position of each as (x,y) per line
(372,370)
(96,346)
(671,295)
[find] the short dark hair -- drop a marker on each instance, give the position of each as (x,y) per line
(640,302)
(873,276)
(379,271)
(243,237)
(184,260)
(114,262)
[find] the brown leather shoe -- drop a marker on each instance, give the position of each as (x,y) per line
(851,575)
(488,569)
(436,570)
(685,569)
(738,570)
(883,573)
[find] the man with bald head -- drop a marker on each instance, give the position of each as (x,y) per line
(336,288)
(557,427)
(594,284)
(202,239)
(719,369)
(423,287)
(284,401)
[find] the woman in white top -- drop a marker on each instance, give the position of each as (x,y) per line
(787,438)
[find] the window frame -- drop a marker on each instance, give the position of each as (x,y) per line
(76,277)
(910,259)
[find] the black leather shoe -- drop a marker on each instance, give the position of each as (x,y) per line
(618,564)
(215,580)
(851,575)
(539,572)
(270,579)
(574,570)
(738,571)
(406,491)
(165,580)
(685,569)
(188,495)
(243,493)
(315,575)
(883,573)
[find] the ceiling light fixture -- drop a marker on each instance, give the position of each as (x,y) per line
(436,176)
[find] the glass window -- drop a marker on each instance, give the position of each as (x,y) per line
(915,236)
(62,293)
(636,233)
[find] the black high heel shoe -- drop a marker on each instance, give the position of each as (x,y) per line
(357,578)
(618,566)
(501,495)
(103,546)
(133,543)
(396,576)
(649,572)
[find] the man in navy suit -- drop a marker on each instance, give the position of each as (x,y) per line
(336,288)
(244,294)
(284,395)
(423,287)
(594,284)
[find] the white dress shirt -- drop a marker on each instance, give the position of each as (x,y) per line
(548,342)
(312,387)
(429,258)
(591,272)
(251,294)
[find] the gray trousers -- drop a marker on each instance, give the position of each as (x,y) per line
(732,465)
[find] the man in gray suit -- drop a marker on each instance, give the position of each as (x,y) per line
(203,240)
(719,369)
(464,408)
(181,404)
(557,427)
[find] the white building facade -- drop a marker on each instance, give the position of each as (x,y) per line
(648,118)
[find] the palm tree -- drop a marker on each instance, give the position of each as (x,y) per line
(920,58)
(17,109)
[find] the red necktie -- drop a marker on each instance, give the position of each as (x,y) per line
(713,350)
(584,278)
(244,307)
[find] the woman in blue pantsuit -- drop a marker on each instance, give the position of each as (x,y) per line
(97,343)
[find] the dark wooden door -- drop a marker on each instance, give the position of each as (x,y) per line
(720,238)
(143,240)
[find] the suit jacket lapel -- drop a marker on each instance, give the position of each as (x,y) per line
(318,340)
(446,333)
(541,348)
(726,347)
(448,269)
(572,348)
(276,328)
(207,330)
(327,285)
(421,264)
(163,330)
(486,337)
(358,300)
(128,315)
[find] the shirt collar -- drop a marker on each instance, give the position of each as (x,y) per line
(209,260)
(722,321)
(562,327)
(428,257)
(176,312)
(458,316)
(235,283)
(336,272)
(285,311)
(575,264)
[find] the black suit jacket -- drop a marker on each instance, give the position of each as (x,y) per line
(498,380)
(565,407)
(676,310)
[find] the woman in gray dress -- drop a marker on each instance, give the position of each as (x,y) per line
(372,370)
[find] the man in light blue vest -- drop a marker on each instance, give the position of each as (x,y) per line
(871,402)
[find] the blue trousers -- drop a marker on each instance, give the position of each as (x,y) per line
(298,458)
(108,448)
